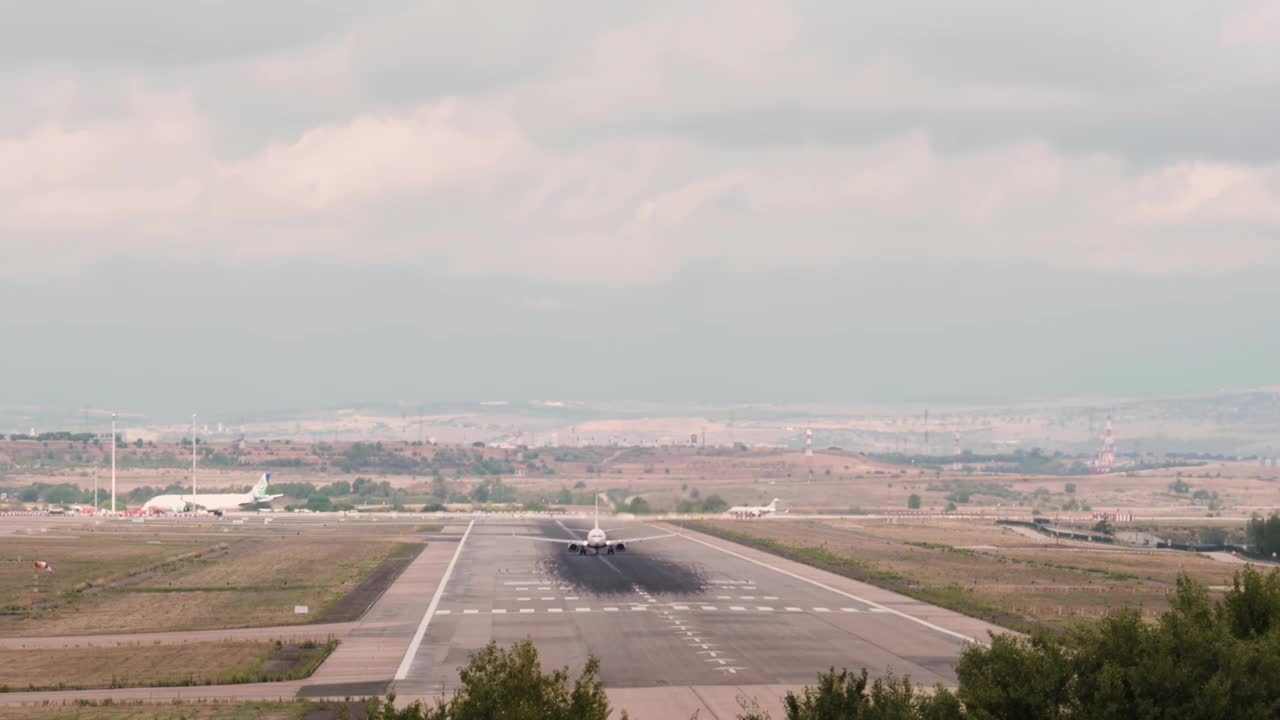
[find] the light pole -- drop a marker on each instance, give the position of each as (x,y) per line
(113,462)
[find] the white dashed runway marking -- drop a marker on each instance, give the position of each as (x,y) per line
(692,609)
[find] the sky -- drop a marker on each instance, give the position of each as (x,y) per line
(247,206)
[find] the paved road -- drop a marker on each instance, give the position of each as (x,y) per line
(672,612)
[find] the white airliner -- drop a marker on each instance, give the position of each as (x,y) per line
(753,511)
(597,539)
(216,504)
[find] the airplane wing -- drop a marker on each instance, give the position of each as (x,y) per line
(546,539)
(628,541)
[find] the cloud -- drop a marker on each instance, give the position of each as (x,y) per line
(626,144)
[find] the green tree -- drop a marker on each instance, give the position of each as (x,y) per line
(503,684)
(714,504)
(1264,535)
(319,503)
(913,502)
(846,696)
(639,506)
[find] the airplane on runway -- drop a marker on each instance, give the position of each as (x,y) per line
(215,503)
(597,538)
(753,511)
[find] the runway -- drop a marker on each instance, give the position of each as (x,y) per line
(681,625)
(670,612)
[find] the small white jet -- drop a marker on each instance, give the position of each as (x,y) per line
(597,539)
(215,503)
(753,511)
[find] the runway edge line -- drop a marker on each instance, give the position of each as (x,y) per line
(872,603)
(407,662)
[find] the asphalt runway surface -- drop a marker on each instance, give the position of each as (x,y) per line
(667,612)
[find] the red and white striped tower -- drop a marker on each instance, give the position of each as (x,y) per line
(1105,461)
(955,463)
(808,442)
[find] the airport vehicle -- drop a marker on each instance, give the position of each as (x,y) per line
(213,503)
(597,538)
(753,511)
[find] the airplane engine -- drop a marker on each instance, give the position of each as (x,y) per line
(619,547)
(573,547)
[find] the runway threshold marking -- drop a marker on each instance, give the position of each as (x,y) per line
(407,662)
(877,607)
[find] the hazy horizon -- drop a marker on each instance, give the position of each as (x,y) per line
(229,208)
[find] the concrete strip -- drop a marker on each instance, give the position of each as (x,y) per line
(403,671)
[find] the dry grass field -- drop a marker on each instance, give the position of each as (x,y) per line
(160,711)
(82,560)
(131,581)
(130,665)
(987,570)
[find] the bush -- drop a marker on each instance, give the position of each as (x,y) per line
(842,695)
(319,503)
(1200,660)
(510,685)
(1264,535)
(913,502)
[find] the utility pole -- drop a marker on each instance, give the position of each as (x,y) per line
(113,462)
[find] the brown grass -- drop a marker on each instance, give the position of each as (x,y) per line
(110,666)
(1008,573)
(158,711)
(82,561)
(255,583)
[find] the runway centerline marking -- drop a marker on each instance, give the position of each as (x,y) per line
(407,662)
(877,607)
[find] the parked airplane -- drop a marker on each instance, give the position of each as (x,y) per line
(216,504)
(753,511)
(597,539)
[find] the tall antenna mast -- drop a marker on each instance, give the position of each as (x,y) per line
(955,462)
(1105,461)
(113,462)
(193,457)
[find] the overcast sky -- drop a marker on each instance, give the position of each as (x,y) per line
(300,204)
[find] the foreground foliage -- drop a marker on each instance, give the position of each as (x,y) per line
(503,684)
(1203,659)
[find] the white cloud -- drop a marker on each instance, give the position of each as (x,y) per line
(583,171)
(381,158)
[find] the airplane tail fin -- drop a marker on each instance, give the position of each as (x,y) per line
(260,489)
(597,496)
(774,504)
